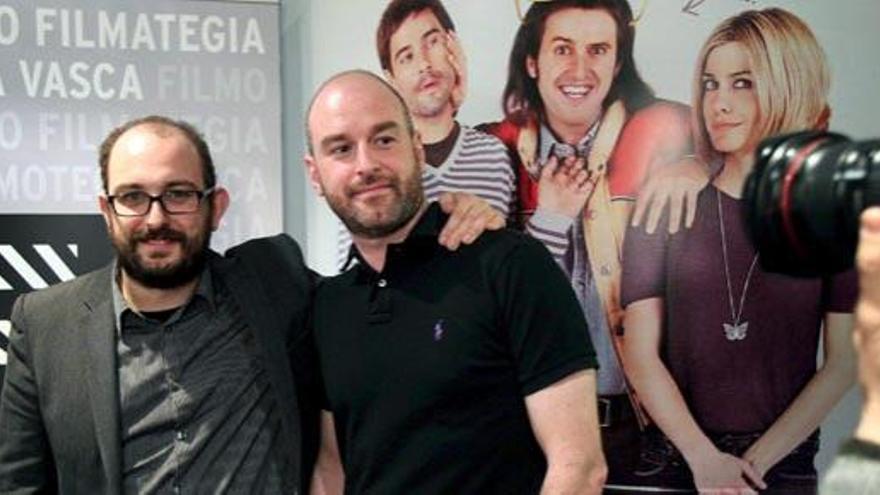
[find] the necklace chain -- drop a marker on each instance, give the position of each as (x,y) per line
(734,313)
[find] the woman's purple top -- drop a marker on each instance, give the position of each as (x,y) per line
(737,386)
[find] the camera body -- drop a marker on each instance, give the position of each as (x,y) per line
(804,197)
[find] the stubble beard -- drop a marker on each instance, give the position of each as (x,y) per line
(427,105)
(409,197)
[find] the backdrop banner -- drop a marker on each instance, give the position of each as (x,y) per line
(71,71)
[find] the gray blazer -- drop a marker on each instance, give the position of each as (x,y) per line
(59,410)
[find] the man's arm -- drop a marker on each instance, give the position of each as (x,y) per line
(328,477)
(26,463)
(565,421)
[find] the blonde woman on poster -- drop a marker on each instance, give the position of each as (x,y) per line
(723,354)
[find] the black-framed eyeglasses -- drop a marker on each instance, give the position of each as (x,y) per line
(173,201)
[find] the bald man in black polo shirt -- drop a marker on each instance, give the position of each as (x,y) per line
(464,372)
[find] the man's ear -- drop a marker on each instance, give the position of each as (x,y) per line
(389,76)
(313,174)
(420,149)
(220,203)
(532,67)
(106,210)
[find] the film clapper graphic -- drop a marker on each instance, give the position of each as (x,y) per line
(37,251)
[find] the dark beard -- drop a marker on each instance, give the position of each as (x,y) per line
(409,207)
(167,277)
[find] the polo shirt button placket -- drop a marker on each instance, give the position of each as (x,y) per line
(382,283)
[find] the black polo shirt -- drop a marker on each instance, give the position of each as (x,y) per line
(428,362)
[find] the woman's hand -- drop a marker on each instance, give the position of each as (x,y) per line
(718,472)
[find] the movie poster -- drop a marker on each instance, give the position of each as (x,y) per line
(695,339)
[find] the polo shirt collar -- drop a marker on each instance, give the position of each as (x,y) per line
(421,239)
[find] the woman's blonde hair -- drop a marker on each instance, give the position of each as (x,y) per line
(790,73)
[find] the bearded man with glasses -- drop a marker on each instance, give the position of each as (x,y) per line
(173,369)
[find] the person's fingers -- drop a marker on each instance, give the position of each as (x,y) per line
(549,169)
(582,179)
(448,201)
(676,205)
(643,200)
(752,475)
(467,224)
(691,207)
(478,221)
(450,235)
(457,206)
(658,202)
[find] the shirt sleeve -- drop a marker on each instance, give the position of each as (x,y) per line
(546,329)
(551,229)
(840,292)
(644,264)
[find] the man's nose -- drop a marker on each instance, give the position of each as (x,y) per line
(365,161)
(156,214)
(423,60)
(582,66)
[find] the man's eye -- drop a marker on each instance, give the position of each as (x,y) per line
(599,50)
(340,149)
(133,197)
(404,58)
(385,141)
(561,50)
(178,194)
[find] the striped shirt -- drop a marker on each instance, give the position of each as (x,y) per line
(196,411)
(478,164)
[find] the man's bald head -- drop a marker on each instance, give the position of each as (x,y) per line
(163,127)
(339,83)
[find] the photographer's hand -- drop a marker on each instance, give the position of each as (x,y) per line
(866,336)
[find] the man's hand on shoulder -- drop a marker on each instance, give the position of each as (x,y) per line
(676,185)
(469,217)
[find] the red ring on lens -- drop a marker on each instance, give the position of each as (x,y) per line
(785,201)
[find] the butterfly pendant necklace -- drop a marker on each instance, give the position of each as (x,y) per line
(736,330)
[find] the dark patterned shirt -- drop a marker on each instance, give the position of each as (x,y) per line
(197,412)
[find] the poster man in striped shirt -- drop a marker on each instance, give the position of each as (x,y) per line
(414,39)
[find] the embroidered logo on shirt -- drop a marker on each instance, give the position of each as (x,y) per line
(438,330)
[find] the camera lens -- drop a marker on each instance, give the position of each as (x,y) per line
(804,197)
